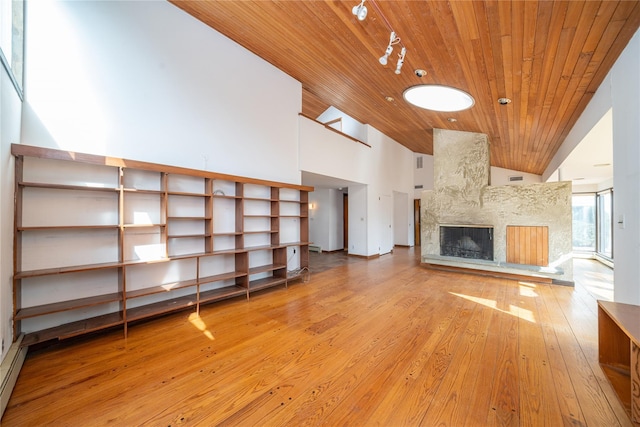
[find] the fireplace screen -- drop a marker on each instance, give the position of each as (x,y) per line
(467,242)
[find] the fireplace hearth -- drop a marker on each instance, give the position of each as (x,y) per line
(463,241)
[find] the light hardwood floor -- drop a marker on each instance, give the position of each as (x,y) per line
(368,342)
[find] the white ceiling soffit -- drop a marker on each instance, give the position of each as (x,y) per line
(591,162)
(325,182)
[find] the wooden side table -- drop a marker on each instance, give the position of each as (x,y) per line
(619,352)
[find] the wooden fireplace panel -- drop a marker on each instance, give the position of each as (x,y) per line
(528,245)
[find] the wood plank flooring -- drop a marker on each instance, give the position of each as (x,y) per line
(365,342)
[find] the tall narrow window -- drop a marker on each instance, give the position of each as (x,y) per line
(584,222)
(12,40)
(605,223)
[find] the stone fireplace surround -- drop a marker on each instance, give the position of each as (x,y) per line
(462,195)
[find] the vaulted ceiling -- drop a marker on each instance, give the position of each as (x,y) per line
(548,57)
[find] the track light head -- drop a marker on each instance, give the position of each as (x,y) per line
(383,58)
(360,11)
(392,40)
(401,55)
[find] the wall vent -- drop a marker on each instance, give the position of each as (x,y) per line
(516,178)
(419,162)
(418,187)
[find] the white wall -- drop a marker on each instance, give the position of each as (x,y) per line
(10,106)
(358,221)
(325,219)
(382,168)
(500,176)
(146,81)
(625,96)
(401,205)
(422,176)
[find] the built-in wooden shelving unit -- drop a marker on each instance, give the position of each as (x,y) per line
(102,242)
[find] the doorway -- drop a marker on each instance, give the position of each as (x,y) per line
(416,221)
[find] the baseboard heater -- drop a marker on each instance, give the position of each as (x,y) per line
(9,371)
(315,248)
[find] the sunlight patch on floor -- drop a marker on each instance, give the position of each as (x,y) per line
(196,320)
(521,313)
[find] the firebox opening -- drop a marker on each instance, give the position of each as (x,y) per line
(467,242)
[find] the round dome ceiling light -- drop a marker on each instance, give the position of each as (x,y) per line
(438,98)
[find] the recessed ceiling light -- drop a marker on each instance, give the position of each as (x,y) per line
(452,120)
(438,98)
(389,98)
(420,72)
(504,101)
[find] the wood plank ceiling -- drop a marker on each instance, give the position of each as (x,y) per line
(549,57)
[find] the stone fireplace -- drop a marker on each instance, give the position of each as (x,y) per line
(463,197)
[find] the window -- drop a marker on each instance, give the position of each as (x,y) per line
(605,224)
(12,40)
(584,222)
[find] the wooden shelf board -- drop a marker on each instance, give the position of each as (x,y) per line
(183,236)
(226,252)
(267,282)
(261,232)
(261,199)
(262,248)
(230,233)
(68,187)
(73,329)
(265,268)
(161,307)
(224,196)
(222,293)
(68,305)
(69,227)
(143,225)
(223,276)
(289,244)
(187,194)
(151,261)
(142,191)
(63,270)
(161,289)
(188,218)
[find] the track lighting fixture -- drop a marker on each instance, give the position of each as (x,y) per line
(401,55)
(392,40)
(360,11)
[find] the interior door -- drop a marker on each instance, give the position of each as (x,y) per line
(386,224)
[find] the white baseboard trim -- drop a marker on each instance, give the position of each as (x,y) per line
(9,370)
